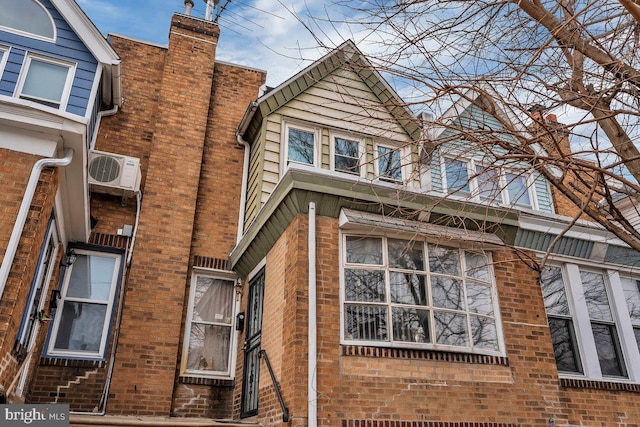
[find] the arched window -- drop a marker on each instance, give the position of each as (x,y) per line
(27,17)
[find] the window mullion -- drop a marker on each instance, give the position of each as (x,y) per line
(586,341)
(622,320)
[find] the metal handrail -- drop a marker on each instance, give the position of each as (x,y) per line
(285,411)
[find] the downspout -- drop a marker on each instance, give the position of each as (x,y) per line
(21,219)
(243,190)
(312,404)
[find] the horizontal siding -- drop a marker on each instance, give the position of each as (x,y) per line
(68,47)
(543,194)
(253,183)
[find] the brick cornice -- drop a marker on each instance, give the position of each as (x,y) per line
(401,353)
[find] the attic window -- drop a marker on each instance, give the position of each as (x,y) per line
(28,18)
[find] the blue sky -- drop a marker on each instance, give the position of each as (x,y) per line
(261,34)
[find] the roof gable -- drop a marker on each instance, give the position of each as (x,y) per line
(346,56)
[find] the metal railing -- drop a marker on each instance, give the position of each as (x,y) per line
(276,386)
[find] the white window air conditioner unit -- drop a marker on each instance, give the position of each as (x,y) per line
(113,173)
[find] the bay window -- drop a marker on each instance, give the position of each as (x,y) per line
(594,320)
(403,293)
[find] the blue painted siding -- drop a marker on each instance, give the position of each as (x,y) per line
(68,47)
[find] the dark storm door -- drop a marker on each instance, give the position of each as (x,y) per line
(251,375)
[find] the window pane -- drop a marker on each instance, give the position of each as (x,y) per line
(81,326)
(213,300)
(407,288)
(451,328)
(91,277)
(406,254)
(444,260)
(45,81)
(484,333)
(479,298)
(553,291)
(364,250)
(27,16)
(595,294)
(447,293)
(477,266)
(209,348)
(389,163)
(517,189)
(632,295)
(410,325)
(609,353)
(301,146)
(488,180)
(636,331)
(457,175)
(363,322)
(564,345)
(346,156)
(364,285)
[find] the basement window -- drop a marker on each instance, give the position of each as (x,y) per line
(81,322)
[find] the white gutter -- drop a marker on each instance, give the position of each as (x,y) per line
(18,227)
(312,404)
(243,189)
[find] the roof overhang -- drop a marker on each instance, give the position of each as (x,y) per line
(99,47)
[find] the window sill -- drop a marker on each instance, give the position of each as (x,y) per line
(612,385)
(76,363)
(220,382)
(436,355)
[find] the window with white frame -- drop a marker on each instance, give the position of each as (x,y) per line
(28,18)
(487,183)
(346,155)
(209,330)
(46,81)
(4,55)
(592,332)
(83,316)
(300,144)
(389,163)
(403,293)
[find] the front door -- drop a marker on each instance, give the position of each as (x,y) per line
(249,404)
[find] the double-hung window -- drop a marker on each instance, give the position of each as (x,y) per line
(301,145)
(389,163)
(403,293)
(487,183)
(346,155)
(46,81)
(592,333)
(83,316)
(209,333)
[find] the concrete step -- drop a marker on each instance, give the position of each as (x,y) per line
(77,420)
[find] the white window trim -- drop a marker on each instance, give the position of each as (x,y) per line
(284,160)
(361,152)
(32,35)
(582,322)
(5,50)
(76,354)
(230,374)
(405,167)
(66,92)
(418,346)
(503,199)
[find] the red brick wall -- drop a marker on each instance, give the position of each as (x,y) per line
(15,169)
(356,383)
(147,350)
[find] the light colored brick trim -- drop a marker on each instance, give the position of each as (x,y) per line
(76,363)
(211,263)
(599,385)
(445,356)
(218,382)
